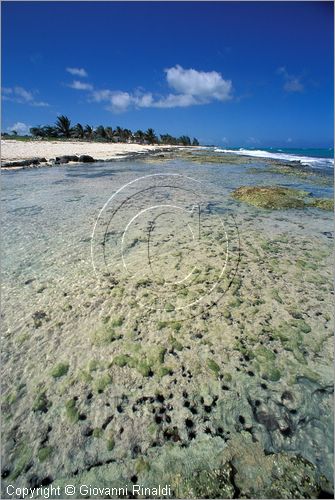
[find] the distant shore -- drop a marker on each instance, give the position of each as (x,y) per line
(20,154)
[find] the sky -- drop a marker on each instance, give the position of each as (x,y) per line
(254,74)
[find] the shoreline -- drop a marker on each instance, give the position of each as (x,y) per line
(16,155)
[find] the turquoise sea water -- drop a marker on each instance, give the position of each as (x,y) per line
(312,152)
(315,158)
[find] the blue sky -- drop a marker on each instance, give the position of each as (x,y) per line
(230,73)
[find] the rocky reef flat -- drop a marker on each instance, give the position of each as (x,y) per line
(199,355)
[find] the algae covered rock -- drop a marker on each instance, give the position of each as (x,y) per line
(210,468)
(271,197)
(323,203)
(277,197)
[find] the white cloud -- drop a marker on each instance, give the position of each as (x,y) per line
(77,72)
(190,87)
(120,101)
(20,127)
(176,101)
(77,85)
(200,84)
(292,83)
(22,96)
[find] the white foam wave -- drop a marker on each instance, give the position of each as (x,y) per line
(259,153)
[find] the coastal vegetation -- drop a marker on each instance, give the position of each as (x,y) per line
(63,129)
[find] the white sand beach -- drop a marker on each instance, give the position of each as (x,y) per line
(12,150)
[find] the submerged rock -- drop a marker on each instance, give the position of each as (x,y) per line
(277,197)
(272,197)
(323,203)
(238,469)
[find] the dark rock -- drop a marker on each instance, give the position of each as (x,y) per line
(87,431)
(34,481)
(5,472)
(86,159)
(268,420)
(39,315)
(328,234)
(24,163)
(66,159)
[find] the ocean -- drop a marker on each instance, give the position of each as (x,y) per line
(312,157)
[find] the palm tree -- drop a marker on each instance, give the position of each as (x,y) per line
(139,136)
(127,134)
(119,133)
(36,131)
(63,126)
(88,132)
(168,139)
(184,140)
(195,142)
(109,133)
(150,136)
(49,131)
(78,131)
(100,132)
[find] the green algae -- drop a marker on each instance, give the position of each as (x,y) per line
(174,325)
(110,442)
(277,297)
(71,411)
(213,366)
(142,466)
(271,197)
(146,362)
(85,376)
(22,338)
(175,344)
(144,368)
(44,453)
(23,455)
(60,370)
(163,371)
(117,322)
(277,198)
(169,307)
(97,432)
(123,360)
(95,365)
(265,364)
(102,382)
(104,335)
(41,402)
(323,203)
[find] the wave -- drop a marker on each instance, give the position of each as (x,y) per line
(314,162)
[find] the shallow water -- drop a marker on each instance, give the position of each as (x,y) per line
(235,279)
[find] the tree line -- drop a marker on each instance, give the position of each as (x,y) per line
(64,129)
